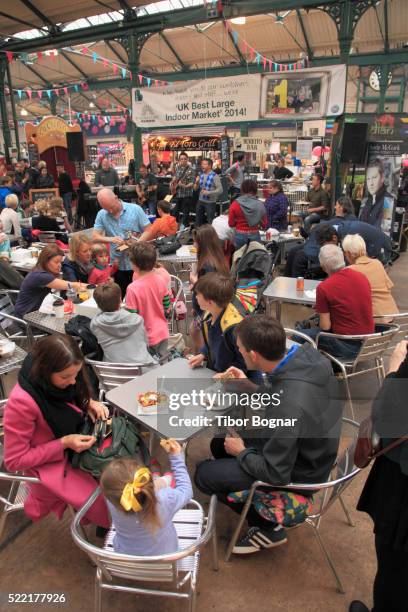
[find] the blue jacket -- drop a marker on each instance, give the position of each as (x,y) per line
(276,206)
(4,192)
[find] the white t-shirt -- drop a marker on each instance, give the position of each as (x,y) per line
(11,222)
(224,231)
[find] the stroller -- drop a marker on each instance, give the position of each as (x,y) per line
(252,267)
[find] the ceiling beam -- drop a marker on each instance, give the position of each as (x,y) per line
(25,23)
(164,38)
(66,56)
(158,22)
(386,32)
(115,98)
(237,49)
(305,36)
(53,27)
(115,52)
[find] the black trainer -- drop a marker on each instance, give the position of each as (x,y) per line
(257,538)
(358,606)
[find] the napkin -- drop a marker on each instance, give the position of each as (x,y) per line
(47,306)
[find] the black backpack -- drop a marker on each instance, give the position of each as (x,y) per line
(80,327)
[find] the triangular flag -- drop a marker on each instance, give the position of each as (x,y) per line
(149,81)
(65,90)
(40,93)
(29,93)
(56,91)
(264,62)
(105,63)
(235,36)
(84,50)
(258,58)
(76,87)
(123,70)
(140,76)
(244,47)
(94,57)
(49,93)
(85,86)
(251,54)
(9,56)
(39,55)
(20,93)
(53,55)
(156,82)
(115,68)
(270,65)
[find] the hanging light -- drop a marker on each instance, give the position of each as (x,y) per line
(91,105)
(238,20)
(24,112)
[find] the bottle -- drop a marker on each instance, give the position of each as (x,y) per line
(69,302)
(300,284)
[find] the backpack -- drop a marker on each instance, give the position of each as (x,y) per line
(80,327)
(121,441)
(252,268)
(168,245)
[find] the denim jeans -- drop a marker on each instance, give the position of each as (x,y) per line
(205,212)
(151,207)
(242,238)
(67,199)
(343,349)
(309,219)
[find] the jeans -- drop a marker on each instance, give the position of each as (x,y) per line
(205,212)
(183,210)
(343,349)
(309,219)
(67,199)
(151,207)
(242,238)
(123,278)
(223,475)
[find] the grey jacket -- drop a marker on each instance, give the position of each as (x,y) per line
(215,193)
(122,336)
(107,178)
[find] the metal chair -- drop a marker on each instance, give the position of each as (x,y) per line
(15,329)
(400,319)
(12,500)
(173,575)
(329,492)
(373,347)
(293,333)
(110,375)
(177,288)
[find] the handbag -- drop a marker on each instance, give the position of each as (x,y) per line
(368,444)
(115,439)
(168,245)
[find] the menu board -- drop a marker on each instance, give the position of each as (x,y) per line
(43,194)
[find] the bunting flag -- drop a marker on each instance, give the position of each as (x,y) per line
(29,93)
(39,55)
(140,76)
(40,93)
(123,70)
(9,56)
(149,81)
(115,68)
(49,93)
(94,57)
(20,93)
(65,90)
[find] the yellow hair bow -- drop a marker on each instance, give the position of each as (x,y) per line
(128,500)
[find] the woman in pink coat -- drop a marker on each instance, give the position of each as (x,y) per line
(43,415)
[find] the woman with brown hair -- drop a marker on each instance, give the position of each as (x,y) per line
(210,258)
(39,282)
(78,264)
(44,415)
(276,206)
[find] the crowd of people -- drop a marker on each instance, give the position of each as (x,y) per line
(53,396)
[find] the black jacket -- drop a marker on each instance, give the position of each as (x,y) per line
(306,452)
(65,183)
(71,272)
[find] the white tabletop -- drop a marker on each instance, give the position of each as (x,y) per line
(283,289)
(173,377)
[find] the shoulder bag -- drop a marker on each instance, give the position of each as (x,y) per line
(368,444)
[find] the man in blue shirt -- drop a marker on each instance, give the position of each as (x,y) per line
(117,222)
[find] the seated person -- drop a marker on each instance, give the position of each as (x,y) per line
(43,221)
(45,413)
(319,203)
(165,225)
(39,282)
(356,254)
(222,228)
(6,183)
(344,305)
(142,515)
(148,295)
(77,265)
(303,379)
(56,210)
(303,257)
(5,248)
(10,218)
(102,272)
(214,293)
(120,333)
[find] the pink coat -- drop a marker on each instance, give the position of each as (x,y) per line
(30,447)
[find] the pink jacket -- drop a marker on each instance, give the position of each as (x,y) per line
(30,447)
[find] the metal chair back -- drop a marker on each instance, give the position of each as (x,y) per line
(293,333)
(400,319)
(12,327)
(111,375)
(177,288)
(374,345)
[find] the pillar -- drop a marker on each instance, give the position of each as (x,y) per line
(13,108)
(3,109)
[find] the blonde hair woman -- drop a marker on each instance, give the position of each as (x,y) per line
(77,266)
(355,252)
(56,211)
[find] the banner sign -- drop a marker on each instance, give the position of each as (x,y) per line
(189,143)
(390,128)
(385,149)
(310,93)
(50,132)
(304,148)
(252,145)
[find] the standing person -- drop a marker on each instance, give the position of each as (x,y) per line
(385,493)
(77,266)
(235,176)
(210,258)
(106,176)
(378,199)
(66,190)
(44,415)
(280,172)
(146,188)
(276,206)
(247,214)
(319,203)
(182,187)
(10,218)
(209,187)
(44,179)
(115,223)
(21,177)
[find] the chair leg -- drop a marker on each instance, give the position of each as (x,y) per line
(328,558)
(348,393)
(214,546)
(98,592)
(346,512)
(193,599)
(238,527)
(3,519)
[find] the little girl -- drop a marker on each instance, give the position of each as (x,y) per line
(102,272)
(141,515)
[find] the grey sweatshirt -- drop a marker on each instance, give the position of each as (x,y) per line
(122,337)
(214,193)
(253,209)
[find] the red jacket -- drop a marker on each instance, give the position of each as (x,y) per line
(237,219)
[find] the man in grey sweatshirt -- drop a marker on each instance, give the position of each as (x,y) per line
(209,188)
(120,333)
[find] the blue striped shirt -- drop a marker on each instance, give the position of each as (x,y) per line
(131,219)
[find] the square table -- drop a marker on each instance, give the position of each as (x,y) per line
(47,323)
(283,289)
(124,398)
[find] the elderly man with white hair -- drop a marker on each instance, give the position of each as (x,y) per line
(116,222)
(9,217)
(343,302)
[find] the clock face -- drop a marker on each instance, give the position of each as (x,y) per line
(375,78)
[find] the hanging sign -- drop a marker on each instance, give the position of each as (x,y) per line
(188,143)
(304,148)
(51,132)
(252,145)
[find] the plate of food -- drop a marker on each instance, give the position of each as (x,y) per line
(149,402)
